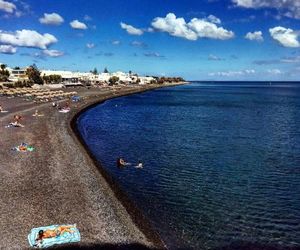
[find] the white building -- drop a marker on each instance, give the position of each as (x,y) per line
(17,74)
(70,77)
(146,79)
(67,76)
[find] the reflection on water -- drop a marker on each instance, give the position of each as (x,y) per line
(221,163)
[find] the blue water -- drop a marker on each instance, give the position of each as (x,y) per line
(221,161)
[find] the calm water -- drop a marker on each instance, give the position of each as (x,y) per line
(221,162)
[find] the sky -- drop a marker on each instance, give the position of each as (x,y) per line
(195,39)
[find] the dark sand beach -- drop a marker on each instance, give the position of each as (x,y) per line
(59,183)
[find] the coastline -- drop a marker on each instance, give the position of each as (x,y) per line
(53,186)
(135,213)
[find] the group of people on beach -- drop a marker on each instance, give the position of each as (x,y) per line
(16,122)
(17,119)
(121,163)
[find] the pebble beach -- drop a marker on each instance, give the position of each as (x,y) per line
(59,183)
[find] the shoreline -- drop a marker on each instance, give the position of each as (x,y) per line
(54,186)
(135,213)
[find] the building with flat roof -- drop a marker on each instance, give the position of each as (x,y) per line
(17,75)
(71,77)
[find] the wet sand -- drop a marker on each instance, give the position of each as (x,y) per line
(60,183)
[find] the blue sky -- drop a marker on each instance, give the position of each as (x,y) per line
(199,40)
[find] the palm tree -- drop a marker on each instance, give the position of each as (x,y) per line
(4,74)
(3,67)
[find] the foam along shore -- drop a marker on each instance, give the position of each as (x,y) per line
(59,183)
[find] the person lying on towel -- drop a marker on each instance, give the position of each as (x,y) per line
(16,122)
(45,234)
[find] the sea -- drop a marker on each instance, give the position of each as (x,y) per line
(221,161)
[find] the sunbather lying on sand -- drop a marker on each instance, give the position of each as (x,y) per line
(37,113)
(67,105)
(16,122)
(2,110)
(17,118)
(45,234)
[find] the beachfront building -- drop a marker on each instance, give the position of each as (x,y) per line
(123,77)
(72,78)
(69,77)
(103,77)
(66,76)
(16,75)
(146,79)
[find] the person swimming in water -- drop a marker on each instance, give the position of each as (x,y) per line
(139,165)
(121,162)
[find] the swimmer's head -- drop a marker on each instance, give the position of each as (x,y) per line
(41,232)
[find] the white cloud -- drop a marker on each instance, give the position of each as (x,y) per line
(27,38)
(214,58)
(285,36)
(174,26)
(87,18)
(274,71)
(51,19)
(139,44)
(291,59)
(7,6)
(90,45)
(53,53)
(246,3)
(255,36)
(116,42)
(196,28)
(290,8)
(233,73)
(213,19)
(150,30)
(206,29)
(153,54)
(7,49)
(75,24)
(131,30)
